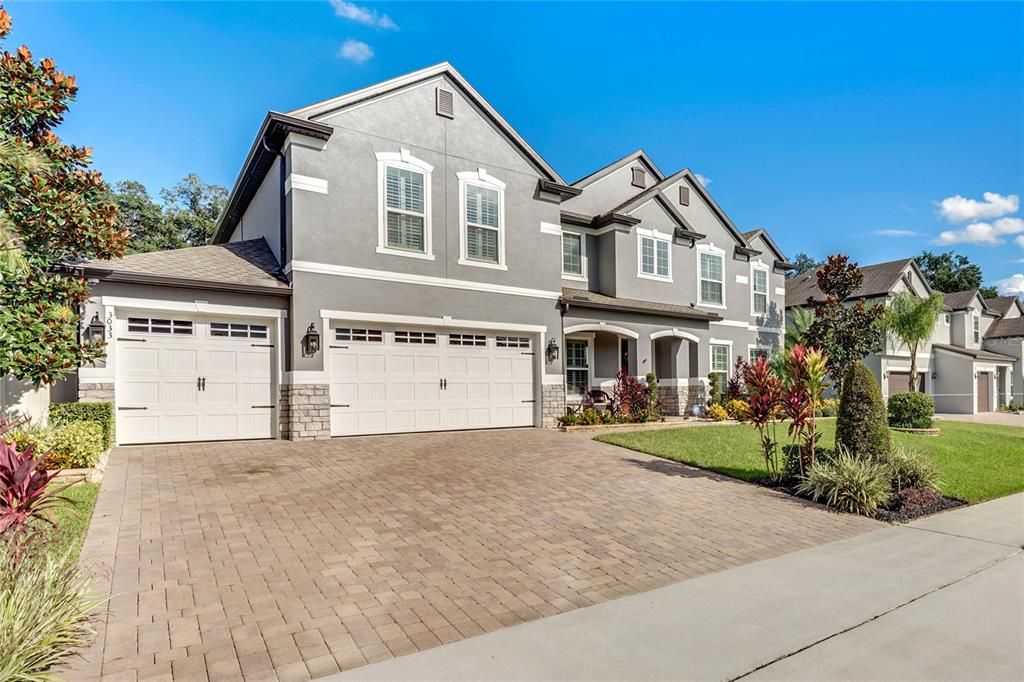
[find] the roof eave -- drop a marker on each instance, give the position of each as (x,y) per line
(697,315)
(562,191)
(122,277)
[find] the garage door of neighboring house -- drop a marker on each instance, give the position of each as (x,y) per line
(984,392)
(405,379)
(188,379)
(899,382)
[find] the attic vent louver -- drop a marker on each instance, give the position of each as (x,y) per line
(639,177)
(445,103)
(684,195)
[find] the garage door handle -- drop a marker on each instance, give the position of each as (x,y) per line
(133,408)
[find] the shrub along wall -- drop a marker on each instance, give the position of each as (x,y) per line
(62,414)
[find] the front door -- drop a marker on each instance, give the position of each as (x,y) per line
(984,392)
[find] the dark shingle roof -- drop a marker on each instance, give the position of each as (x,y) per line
(878,281)
(591,299)
(1000,304)
(975,353)
(1006,328)
(958,300)
(248,263)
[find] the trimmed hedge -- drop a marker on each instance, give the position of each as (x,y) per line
(911,410)
(77,445)
(101,413)
(862,429)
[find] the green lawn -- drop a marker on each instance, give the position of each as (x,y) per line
(977,461)
(73,519)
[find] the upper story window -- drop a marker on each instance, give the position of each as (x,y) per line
(759,290)
(655,255)
(572,255)
(482,199)
(404,189)
(976,327)
(712,276)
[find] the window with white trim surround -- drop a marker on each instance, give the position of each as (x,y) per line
(976,327)
(404,196)
(720,353)
(755,352)
(577,366)
(482,209)
(572,255)
(711,276)
(654,255)
(759,290)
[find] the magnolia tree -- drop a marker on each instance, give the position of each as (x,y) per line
(55,211)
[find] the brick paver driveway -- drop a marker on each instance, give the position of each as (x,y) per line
(277,560)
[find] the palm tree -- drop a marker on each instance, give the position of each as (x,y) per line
(799,322)
(912,320)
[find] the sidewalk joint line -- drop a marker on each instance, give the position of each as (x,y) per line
(965,537)
(877,616)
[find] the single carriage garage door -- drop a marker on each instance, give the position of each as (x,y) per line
(397,379)
(899,382)
(189,379)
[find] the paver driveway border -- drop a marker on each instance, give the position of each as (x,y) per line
(275,560)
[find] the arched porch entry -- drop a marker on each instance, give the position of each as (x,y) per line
(675,354)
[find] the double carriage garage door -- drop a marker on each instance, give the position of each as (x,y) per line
(403,379)
(187,378)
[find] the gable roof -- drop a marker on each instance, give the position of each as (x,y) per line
(1002,304)
(879,279)
(959,300)
(248,266)
(639,155)
(751,235)
(335,104)
(1006,328)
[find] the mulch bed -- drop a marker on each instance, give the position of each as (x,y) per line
(907,505)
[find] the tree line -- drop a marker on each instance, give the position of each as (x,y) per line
(186,214)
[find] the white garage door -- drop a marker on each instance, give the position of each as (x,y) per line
(187,379)
(394,380)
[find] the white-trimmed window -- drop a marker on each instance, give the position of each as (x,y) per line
(404,191)
(512,341)
(711,276)
(577,366)
(976,327)
(654,255)
(573,256)
(482,213)
(146,325)
(467,340)
(421,338)
(236,330)
(759,290)
(755,352)
(946,319)
(720,353)
(364,335)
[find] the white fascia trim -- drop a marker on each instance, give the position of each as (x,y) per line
(677,333)
(201,307)
(305,182)
(423,321)
(305,378)
(425,280)
(601,327)
(550,228)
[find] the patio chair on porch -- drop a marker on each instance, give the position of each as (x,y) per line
(601,399)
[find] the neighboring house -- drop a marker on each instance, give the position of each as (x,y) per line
(399,259)
(962,367)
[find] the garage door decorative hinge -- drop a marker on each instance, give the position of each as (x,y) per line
(262,345)
(527,353)
(121,338)
(529,401)
(344,347)
(333,405)
(133,408)
(262,407)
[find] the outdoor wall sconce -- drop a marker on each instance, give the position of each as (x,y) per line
(551,352)
(935,375)
(310,342)
(94,330)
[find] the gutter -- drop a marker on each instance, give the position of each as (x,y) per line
(121,277)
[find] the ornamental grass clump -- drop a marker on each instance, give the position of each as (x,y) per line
(848,483)
(911,469)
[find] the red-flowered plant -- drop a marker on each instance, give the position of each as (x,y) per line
(631,397)
(764,395)
(806,371)
(25,491)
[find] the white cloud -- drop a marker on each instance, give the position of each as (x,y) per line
(984,234)
(703,179)
(1012,285)
(362,15)
(1020,241)
(898,233)
(355,51)
(958,209)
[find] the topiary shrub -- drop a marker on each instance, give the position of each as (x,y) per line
(911,410)
(101,413)
(862,430)
(77,445)
(849,484)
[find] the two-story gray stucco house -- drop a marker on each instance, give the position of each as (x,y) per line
(972,362)
(399,259)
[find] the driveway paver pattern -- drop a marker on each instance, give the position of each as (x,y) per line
(275,560)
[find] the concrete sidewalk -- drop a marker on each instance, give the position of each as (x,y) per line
(942,598)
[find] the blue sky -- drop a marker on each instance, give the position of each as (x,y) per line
(837,127)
